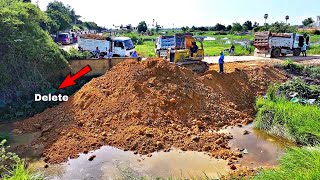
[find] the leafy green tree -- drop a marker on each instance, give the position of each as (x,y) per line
(74,17)
(59,16)
(158,27)
(90,25)
(183,29)
(281,27)
(308,21)
(255,24)
(193,28)
(228,28)
(248,25)
(219,27)
(236,27)
(142,27)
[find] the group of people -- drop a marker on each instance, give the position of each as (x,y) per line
(98,54)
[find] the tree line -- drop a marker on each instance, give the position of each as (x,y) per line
(62,17)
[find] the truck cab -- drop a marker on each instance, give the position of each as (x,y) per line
(122,46)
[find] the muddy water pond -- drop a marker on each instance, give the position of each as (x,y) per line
(111,163)
(257,147)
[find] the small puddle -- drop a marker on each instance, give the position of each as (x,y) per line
(111,163)
(261,148)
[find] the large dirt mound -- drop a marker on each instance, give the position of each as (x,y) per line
(143,107)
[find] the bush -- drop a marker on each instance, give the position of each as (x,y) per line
(288,64)
(13,168)
(8,160)
(74,54)
(293,121)
(137,40)
(312,71)
(305,70)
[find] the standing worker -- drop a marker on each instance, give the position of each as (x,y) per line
(232,50)
(304,49)
(221,62)
(110,54)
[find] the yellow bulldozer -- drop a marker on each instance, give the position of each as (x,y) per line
(186,52)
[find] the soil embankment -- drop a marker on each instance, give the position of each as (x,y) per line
(149,106)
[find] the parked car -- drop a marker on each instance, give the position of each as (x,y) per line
(65,38)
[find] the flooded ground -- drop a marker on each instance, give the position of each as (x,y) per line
(257,147)
(113,163)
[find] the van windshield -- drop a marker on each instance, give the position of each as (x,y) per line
(128,44)
(62,36)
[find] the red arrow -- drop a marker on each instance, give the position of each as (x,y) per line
(69,81)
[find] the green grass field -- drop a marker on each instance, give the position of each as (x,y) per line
(296,164)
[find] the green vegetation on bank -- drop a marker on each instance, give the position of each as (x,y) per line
(30,63)
(296,164)
(14,168)
(286,110)
(312,71)
(297,122)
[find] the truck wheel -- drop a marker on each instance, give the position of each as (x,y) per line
(296,52)
(275,53)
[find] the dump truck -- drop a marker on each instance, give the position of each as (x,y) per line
(120,46)
(178,49)
(162,44)
(276,44)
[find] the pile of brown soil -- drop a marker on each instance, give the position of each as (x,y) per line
(148,106)
(93,36)
(242,86)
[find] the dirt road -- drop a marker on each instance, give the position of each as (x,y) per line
(309,59)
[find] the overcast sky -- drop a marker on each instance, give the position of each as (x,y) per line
(190,12)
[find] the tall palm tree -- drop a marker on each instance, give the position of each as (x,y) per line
(287,18)
(265,18)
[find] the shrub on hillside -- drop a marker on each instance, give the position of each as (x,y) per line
(31,62)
